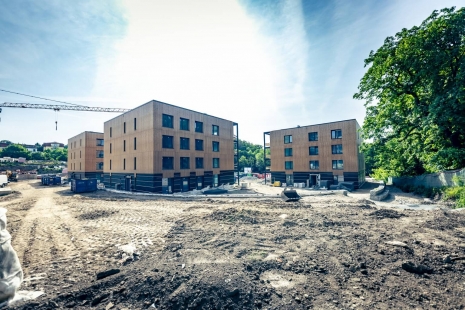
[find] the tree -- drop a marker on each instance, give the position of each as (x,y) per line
(248,156)
(415,97)
(37,156)
(15,151)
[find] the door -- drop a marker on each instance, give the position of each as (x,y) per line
(215,180)
(314,180)
(289,179)
(127,184)
(185,184)
(199,183)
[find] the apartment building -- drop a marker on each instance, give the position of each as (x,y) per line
(158,147)
(85,155)
(329,151)
(53,145)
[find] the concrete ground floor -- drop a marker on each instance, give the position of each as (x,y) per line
(85,175)
(318,177)
(157,183)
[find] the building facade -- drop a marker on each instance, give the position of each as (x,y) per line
(314,153)
(85,155)
(162,148)
(31,148)
(53,145)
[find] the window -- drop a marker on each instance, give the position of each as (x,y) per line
(99,166)
(216,162)
(168,163)
(135,163)
(336,134)
(110,148)
(79,154)
(124,127)
(288,151)
(199,163)
(215,130)
(167,142)
(184,123)
(110,164)
(184,143)
(135,143)
(74,144)
(215,146)
(288,165)
(314,165)
(110,134)
(198,126)
(198,145)
(338,164)
(313,136)
(135,124)
(124,164)
(124,145)
(185,162)
(336,149)
(99,154)
(79,166)
(80,142)
(313,150)
(287,139)
(99,142)
(167,121)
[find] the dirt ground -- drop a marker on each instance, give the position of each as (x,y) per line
(324,252)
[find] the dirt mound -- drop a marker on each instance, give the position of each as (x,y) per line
(387,213)
(96,214)
(235,215)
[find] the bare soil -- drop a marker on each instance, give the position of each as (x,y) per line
(324,252)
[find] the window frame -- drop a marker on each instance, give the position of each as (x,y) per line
(314,147)
(181,139)
(334,134)
(135,124)
(124,127)
(97,165)
(316,167)
(135,163)
(312,134)
(196,140)
(338,161)
(163,162)
(124,145)
(216,159)
(289,165)
(196,127)
(286,153)
(213,146)
(217,130)
(183,159)
(335,149)
(135,143)
(98,152)
(181,119)
(163,142)
(167,117)
(197,161)
(289,140)
(102,142)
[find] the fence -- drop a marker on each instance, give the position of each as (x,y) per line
(429,180)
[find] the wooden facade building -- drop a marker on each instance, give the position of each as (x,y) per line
(85,155)
(329,151)
(158,147)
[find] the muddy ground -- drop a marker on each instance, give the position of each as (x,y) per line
(328,252)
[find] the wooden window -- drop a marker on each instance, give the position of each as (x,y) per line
(215,130)
(167,142)
(338,164)
(184,162)
(336,149)
(198,126)
(288,165)
(288,152)
(183,124)
(288,139)
(215,146)
(167,121)
(314,165)
(198,145)
(199,163)
(313,136)
(336,134)
(313,150)
(168,163)
(184,143)
(216,162)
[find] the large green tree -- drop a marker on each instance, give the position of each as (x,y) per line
(15,151)
(414,90)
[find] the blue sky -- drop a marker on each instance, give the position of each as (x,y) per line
(264,64)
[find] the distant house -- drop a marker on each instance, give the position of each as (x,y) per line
(30,148)
(53,145)
(3,145)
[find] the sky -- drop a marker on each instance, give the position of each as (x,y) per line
(264,64)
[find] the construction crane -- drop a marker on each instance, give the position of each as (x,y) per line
(57,108)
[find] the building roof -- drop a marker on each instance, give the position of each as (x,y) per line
(346,120)
(2,144)
(50,144)
(30,146)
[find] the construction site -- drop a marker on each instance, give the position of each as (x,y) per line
(247,248)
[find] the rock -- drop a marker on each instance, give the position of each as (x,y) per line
(107,273)
(53,304)
(109,306)
(71,304)
(364,271)
(363,265)
(397,243)
(417,269)
(99,299)
(447,260)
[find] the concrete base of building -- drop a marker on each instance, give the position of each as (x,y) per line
(86,175)
(312,176)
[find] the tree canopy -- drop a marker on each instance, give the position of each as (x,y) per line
(414,91)
(15,151)
(251,155)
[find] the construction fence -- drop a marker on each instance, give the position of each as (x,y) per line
(429,180)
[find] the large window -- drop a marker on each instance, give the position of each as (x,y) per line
(336,134)
(338,164)
(336,149)
(184,143)
(198,145)
(288,165)
(184,162)
(168,163)
(313,150)
(313,136)
(167,121)
(99,142)
(199,163)
(167,142)
(215,146)
(314,165)
(288,151)
(216,162)
(215,130)
(99,154)
(198,126)
(183,123)
(99,166)
(287,139)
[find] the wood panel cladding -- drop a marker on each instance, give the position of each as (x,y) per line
(300,145)
(148,133)
(82,152)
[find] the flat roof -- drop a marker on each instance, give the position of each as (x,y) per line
(85,132)
(346,120)
(156,101)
